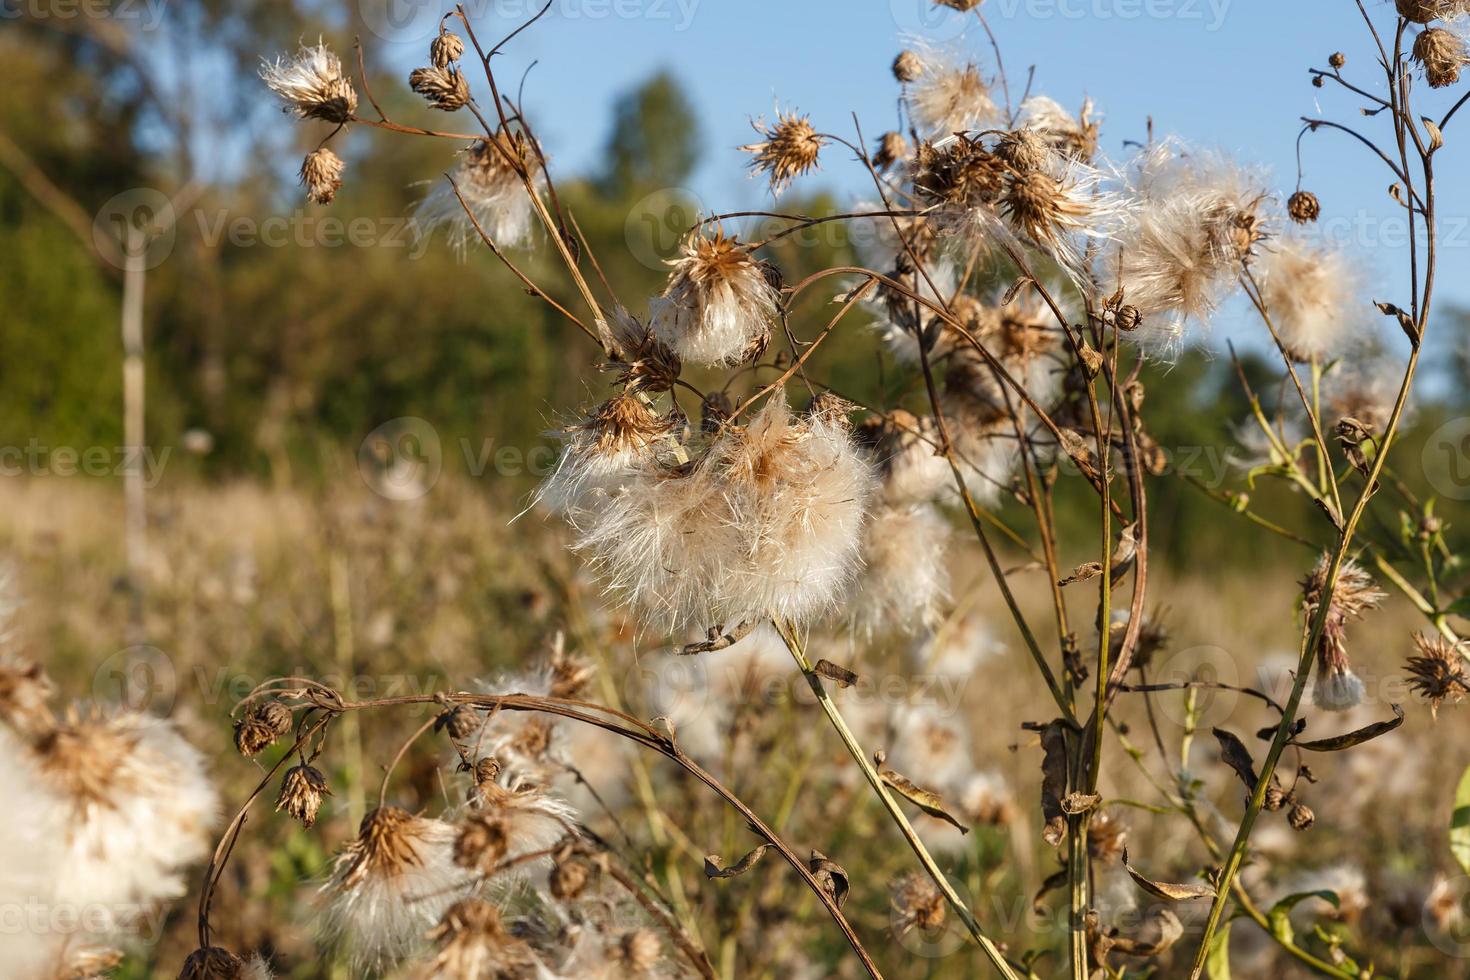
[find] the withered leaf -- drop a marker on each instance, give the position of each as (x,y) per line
(1166,890)
(927,800)
(1052,883)
(1013,289)
(714,864)
(1083,572)
(1075,803)
(1157,934)
(1364,734)
(830,876)
(1053,782)
(836,673)
(1237,757)
(1297,727)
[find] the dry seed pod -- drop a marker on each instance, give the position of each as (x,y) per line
(908,66)
(445,49)
(444,88)
(302,791)
(1303,207)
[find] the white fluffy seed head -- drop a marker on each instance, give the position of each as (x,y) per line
(390,885)
(949,96)
(766,523)
(1337,690)
(1311,297)
(493,193)
(718,305)
(603,453)
(905,582)
(312,85)
(1192,221)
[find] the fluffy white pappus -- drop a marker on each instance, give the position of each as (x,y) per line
(1337,689)
(390,885)
(311,84)
(718,305)
(1062,208)
(1311,296)
(493,193)
(30,851)
(904,448)
(509,820)
(602,454)
(897,321)
(134,807)
(1071,135)
(905,581)
(931,745)
(1191,222)
(949,96)
(766,523)
(956,649)
(1365,390)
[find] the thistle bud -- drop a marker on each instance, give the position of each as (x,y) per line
(259,729)
(1276,796)
(1127,318)
(321,172)
(459,722)
(1301,817)
(448,47)
(444,88)
(908,66)
(1303,207)
(1337,60)
(302,791)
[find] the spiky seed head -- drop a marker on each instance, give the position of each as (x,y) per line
(321,172)
(302,790)
(445,89)
(1303,207)
(639,950)
(786,150)
(483,842)
(1441,53)
(963,174)
(1423,11)
(212,963)
(445,49)
(1023,149)
(893,149)
(570,877)
(908,66)
(1438,673)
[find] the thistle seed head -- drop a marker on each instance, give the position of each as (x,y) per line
(445,89)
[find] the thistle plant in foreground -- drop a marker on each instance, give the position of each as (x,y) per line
(1027,287)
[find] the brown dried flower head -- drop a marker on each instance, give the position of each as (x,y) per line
(908,66)
(893,149)
(212,963)
(302,790)
(1438,673)
(483,842)
(1441,53)
(321,172)
(570,877)
(786,150)
(261,726)
(917,904)
(459,722)
(1337,687)
(1424,11)
(445,49)
(472,941)
(1301,817)
(1303,207)
(625,424)
(25,695)
(638,950)
(1337,59)
(444,88)
(963,174)
(312,85)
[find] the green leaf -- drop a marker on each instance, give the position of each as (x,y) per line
(1217,962)
(1279,918)
(1460,823)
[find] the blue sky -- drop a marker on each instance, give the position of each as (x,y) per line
(1228,74)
